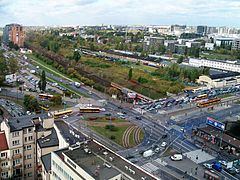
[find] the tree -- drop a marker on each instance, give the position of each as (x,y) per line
(12,65)
(30,103)
(180,59)
(57,100)
(76,56)
(42,83)
(130,74)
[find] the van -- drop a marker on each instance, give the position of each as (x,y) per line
(176,157)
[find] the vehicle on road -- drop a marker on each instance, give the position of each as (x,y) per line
(176,157)
(89,110)
(148,153)
(207,166)
(208,102)
(217,166)
(222,162)
(77,84)
(45,96)
(164,144)
(62,113)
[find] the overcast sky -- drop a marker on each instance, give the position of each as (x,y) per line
(122,12)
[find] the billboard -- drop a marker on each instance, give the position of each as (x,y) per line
(215,123)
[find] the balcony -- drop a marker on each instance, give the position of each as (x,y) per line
(6,168)
(4,159)
(17,156)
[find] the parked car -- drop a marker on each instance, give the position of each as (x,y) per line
(176,157)
(207,166)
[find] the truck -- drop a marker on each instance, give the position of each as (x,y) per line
(77,84)
(217,166)
(148,153)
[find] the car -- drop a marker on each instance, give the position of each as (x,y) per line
(164,144)
(236,170)
(105,153)
(157,150)
(208,166)
(65,116)
(231,171)
(222,162)
(176,157)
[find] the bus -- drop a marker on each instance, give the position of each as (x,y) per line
(209,102)
(62,113)
(44,107)
(201,97)
(45,96)
(89,110)
(210,175)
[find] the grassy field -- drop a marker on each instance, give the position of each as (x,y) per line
(215,56)
(107,133)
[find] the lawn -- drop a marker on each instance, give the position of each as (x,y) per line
(215,56)
(107,133)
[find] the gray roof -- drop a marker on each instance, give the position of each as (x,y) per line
(46,160)
(19,123)
(89,163)
(69,134)
(49,141)
(216,74)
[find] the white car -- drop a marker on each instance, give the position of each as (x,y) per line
(164,144)
(208,166)
(176,157)
(222,162)
(65,116)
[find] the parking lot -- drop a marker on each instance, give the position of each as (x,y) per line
(13,109)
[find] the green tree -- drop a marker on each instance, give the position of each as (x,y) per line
(57,100)
(76,56)
(30,103)
(130,74)
(180,59)
(42,83)
(12,65)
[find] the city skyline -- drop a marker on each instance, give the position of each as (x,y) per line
(143,12)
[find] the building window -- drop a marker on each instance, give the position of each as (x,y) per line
(29,174)
(29,156)
(30,138)
(3,155)
(15,162)
(25,131)
(29,130)
(4,174)
(16,151)
(29,147)
(4,164)
(16,142)
(15,134)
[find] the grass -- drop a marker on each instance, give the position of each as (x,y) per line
(141,135)
(215,56)
(114,120)
(107,133)
(131,140)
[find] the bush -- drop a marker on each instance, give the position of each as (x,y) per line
(112,137)
(111,128)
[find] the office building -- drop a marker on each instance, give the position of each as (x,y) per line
(224,41)
(13,33)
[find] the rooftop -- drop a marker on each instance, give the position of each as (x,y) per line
(216,74)
(22,122)
(3,142)
(46,160)
(92,164)
(69,134)
(49,141)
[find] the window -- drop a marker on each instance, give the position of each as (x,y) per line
(4,164)
(25,139)
(29,156)
(5,174)
(29,147)
(16,151)
(30,138)
(15,134)
(15,162)
(30,174)
(25,131)
(4,154)
(29,130)
(16,142)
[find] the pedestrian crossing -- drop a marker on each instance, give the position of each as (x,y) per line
(150,167)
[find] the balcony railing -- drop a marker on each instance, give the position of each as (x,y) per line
(17,166)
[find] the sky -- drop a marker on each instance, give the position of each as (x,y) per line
(120,12)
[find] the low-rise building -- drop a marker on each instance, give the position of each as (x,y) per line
(209,46)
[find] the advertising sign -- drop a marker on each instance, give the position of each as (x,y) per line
(215,123)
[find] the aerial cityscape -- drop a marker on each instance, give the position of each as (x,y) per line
(125,90)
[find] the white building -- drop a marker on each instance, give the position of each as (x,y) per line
(233,66)
(236,44)
(209,46)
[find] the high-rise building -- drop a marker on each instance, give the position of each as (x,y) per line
(14,33)
(202,30)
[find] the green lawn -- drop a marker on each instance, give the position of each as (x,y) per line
(131,140)
(107,133)
(114,120)
(215,56)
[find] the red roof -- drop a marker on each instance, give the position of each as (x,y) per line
(3,142)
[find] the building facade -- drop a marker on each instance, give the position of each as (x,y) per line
(14,33)
(236,44)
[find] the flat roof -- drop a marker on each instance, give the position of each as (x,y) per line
(215,74)
(49,141)
(71,135)
(92,164)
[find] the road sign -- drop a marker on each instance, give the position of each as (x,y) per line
(215,123)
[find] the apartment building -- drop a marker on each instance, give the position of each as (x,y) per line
(14,33)
(20,136)
(236,44)
(5,165)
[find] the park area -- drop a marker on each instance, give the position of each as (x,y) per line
(118,130)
